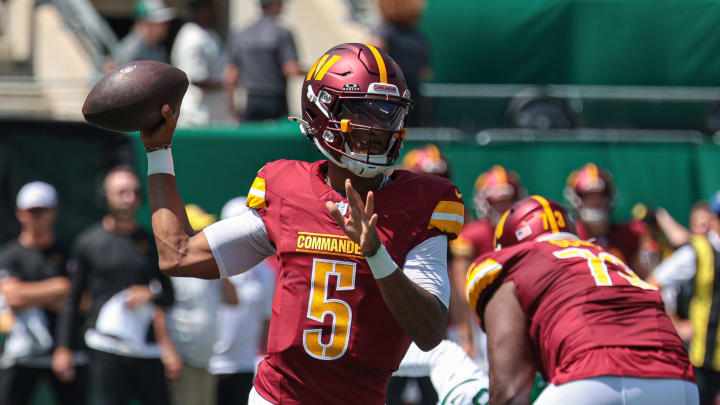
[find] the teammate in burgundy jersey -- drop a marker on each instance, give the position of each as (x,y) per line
(590,191)
(343,315)
(554,303)
(495,191)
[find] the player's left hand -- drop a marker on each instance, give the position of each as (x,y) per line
(360,224)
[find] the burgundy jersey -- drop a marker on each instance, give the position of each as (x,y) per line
(475,239)
(623,240)
(332,339)
(589,314)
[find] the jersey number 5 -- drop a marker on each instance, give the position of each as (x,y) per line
(319,305)
(599,269)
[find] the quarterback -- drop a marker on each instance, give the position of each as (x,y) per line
(362,253)
(577,314)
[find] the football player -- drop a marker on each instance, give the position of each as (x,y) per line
(591,193)
(457,379)
(363,253)
(427,160)
(552,302)
(495,191)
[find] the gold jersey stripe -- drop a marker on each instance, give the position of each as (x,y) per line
(548,213)
(447,226)
(256,195)
(255,202)
(380,63)
(450,207)
(478,278)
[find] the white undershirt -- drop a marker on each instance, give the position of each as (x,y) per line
(239,243)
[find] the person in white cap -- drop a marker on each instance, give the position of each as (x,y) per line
(144,42)
(242,328)
(33,286)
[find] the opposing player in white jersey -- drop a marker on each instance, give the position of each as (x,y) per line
(457,379)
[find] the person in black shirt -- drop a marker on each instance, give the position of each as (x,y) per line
(264,56)
(34,284)
(398,34)
(116,261)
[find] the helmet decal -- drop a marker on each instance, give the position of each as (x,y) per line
(549,215)
(531,218)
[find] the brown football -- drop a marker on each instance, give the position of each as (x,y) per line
(129,97)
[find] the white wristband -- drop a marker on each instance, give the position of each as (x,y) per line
(160,161)
(381,264)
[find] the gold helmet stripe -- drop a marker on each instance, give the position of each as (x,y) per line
(548,213)
(380,63)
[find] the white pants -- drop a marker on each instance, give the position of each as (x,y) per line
(256,399)
(614,390)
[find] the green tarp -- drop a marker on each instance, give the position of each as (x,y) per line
(619,42)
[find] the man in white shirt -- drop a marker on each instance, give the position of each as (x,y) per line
(197,51)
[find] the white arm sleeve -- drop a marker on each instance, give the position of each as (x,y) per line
(239,243)
(426,266)
(680,267)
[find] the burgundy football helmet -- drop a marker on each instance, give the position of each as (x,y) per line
(427,160)
(496,186)
(587,180)
(530,218)
(355,90)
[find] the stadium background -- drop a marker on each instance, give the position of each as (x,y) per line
(642,77)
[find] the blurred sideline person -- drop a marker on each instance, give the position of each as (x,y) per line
(116,261)
(32,290)
(351,224)
(263,56)
(242,328)
(591,193)
(399,36)
(192,322)
(197,51)
(693,271)
(145,40)
(495,191)
(554,303)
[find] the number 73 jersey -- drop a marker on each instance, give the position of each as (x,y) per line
(588,313)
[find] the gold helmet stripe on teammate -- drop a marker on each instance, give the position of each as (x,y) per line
(548,213)
(501,224)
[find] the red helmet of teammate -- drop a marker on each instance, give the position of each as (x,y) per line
(530,218)
(356,90)
(495,190)
(590,192)
(427,160)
